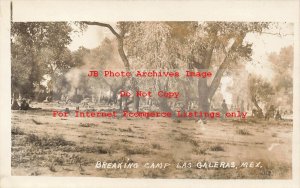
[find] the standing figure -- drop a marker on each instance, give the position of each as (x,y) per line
(224,109)
(278,116)
(24,105)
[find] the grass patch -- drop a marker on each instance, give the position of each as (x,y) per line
(52,167)
(126,130)
(17,131)
(47,141)
(124,140)
(107,122)
(92,149)
(200,151)
(87,125)
(216,148)
(156,146)
(243,132)
(194,142)
(136,151)
(186,138)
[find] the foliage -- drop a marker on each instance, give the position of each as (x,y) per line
(282,65)
(260,90)
(38,49)
(40,52)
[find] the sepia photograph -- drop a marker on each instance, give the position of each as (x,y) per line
(166,98)
(208,100)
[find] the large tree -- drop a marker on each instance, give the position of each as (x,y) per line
(197,46)
(38,49)
(261,92)
(218,46)
(282,65)
(120,33)
(193,45)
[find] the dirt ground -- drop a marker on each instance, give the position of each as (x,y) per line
(46,146)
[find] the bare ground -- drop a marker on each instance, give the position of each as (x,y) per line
(46,146)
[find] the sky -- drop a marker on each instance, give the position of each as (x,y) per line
(90,38)
(263,45)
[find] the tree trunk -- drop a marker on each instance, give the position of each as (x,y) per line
(226,62)
(259,110)
(203,89)
(203,95)
(187,99)
(133,82)
(120,38)
(164,106)
(163,102)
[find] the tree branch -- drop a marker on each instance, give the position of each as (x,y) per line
(217,79)
(119,39)
(209,52)
(104,25)
(208,57)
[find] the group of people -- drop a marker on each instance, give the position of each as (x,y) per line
(271,112)
(24,105)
